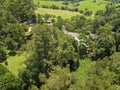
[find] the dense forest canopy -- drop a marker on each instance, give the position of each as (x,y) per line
(77,53)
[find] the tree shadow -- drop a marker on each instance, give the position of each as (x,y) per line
(12,53)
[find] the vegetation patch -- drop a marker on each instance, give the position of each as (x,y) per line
(15,63)
(92,5)
(86,66)
(63,14)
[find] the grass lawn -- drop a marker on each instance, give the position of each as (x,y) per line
(86,4)
(62,13)
(93,6)
(89,4)
(85,67)
(15,63)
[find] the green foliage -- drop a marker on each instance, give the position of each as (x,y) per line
(54,59)
(87,12)
(64,14)
(15,63)
(107,73)
(109,9)
(8,81)
(2,54)
(75,24)
(33,87)
(85,69)
(51,48)
(74,5)
(59,79)
(104,46)
(17,9)
(14,35)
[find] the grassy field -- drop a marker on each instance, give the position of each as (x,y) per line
(64,14)
(89,4)
(86,4)
(15,63)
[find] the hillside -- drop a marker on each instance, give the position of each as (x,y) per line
(82,5)
(62,13)
(59,45)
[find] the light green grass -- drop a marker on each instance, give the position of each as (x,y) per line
(63,14)
(85,67)
(15,63)
(86,4)
(93,6)
(89,4)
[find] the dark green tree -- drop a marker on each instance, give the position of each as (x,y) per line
(3,54)
(51,48)
(8,81)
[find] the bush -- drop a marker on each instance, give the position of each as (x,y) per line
(62,8)
(87,12)
(54,7)
(76,9)
(65,3)
(81,11)
(44,6)
(3,55)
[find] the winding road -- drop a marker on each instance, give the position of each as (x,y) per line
(75,35)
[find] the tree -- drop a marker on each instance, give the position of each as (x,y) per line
(20,10)
(87,12)
(83,45)
(11,44)
(13,35)
(114,67)
(100,12)
(95,24)
(24,15)
(117,41)
(33,87)
(51,48)
(104,75)
(3,54)
(60,79)
(8,81)
(39,19)
(110,9)
(105,44)
(78,22)
(94,0)
(59,22)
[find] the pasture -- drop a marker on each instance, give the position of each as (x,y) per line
(85,4)
(64,14)
(93,6)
